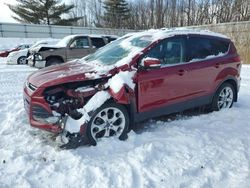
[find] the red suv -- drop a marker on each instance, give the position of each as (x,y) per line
(134,78)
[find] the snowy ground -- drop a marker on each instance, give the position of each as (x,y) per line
(206,150)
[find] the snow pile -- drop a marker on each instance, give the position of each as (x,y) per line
(119,80)
(204,150)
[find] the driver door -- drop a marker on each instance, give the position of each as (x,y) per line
(168,84)
(78,48)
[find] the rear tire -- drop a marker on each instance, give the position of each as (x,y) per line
(111,119)
(224,97)
(53,61)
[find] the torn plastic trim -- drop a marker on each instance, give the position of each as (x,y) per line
(74,126)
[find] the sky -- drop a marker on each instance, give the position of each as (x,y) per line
(6,12)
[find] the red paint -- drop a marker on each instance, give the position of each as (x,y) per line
(155,88)
(5,53)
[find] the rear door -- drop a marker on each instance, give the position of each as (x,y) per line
(78,48)
(96,43)
(205,56)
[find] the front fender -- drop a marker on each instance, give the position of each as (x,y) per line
(123,95)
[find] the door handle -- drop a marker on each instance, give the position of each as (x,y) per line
(181,72)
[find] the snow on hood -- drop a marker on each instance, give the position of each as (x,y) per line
(24,51)
(119,80)
(37,49)
(71,71)
(61,44)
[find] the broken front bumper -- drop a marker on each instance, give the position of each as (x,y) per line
(39,113)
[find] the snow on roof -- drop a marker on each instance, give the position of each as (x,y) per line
(165,32)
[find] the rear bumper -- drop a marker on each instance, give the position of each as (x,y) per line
(37,106)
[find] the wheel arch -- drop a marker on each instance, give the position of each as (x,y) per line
(22,56)
(231,80)
(126,97)
(54,57)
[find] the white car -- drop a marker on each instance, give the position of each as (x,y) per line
(19,57)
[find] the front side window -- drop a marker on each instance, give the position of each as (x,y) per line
(201,48)
(80,42)
(170,51)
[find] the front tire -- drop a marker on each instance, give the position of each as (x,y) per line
(111,119)
(224,97)
(53,61)
(22,60)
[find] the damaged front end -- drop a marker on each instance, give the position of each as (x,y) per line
(66,103)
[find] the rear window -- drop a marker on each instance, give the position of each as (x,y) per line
(203,48)
(98,42)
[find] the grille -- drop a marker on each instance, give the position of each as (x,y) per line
(40,112)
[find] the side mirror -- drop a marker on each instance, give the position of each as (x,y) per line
(151,63)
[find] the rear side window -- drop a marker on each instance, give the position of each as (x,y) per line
(98,42)
(201,48)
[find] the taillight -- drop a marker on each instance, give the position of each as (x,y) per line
(237,59)
(232,49)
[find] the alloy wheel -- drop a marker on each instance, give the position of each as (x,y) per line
(225,99)
(108,122)
(22,60)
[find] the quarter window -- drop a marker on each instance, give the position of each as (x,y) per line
(169,52)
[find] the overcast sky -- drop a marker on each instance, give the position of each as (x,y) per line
(6,12)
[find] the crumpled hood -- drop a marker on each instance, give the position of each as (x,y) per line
(44,47)
(64,73)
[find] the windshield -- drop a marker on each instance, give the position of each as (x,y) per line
(64,41)
(119,49)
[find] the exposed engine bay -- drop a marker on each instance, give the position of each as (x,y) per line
(66,99)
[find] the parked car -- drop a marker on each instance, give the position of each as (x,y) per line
(132,79)
(69,48)
(5,53)
(20,57)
